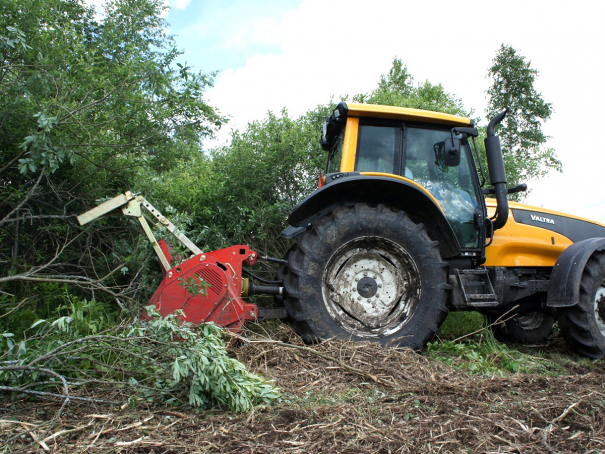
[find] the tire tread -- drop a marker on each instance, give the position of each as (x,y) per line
(578,324)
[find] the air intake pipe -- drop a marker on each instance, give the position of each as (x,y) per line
(497,175)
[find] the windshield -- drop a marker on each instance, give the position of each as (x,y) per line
(451,186)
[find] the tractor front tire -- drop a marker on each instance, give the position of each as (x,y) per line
(583,325)
(368,274)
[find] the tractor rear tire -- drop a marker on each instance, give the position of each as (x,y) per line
(524,329)
(583,325)
(367,274)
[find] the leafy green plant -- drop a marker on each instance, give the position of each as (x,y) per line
(160,360)
(92,105)
(88,317)
(195,286)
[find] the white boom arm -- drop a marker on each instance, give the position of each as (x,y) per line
(130,204)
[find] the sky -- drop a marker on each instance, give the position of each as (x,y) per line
(297,54)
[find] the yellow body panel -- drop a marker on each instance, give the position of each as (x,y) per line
(405,113)
(349,145)
(519,244)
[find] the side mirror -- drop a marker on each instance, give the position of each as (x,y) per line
(451,155)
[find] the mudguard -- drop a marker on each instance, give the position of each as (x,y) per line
(564,285)
(351,188)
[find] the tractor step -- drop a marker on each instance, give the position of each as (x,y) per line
(477,289)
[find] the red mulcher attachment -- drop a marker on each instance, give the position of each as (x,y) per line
(221,302)
(207,287)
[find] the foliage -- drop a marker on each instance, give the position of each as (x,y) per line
(161,360)
(526,155)
(195,286)
(263,173)
(397,89)
(89,108)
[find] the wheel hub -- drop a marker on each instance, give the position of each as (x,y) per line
(371,286)
(367,287)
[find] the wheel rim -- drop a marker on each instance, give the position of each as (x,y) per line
(599,308)
(371,286)
(530,321)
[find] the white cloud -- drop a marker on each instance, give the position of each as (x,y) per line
(180,4)
(342,47)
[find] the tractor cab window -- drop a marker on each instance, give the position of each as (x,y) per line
(335,155)
(452,187)
(378,149)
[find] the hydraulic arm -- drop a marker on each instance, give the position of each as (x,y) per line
(208,286)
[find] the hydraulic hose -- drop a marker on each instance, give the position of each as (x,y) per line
(260,279)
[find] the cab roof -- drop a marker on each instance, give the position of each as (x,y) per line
(406,113)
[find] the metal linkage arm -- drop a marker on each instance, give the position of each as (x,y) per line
(170,226)
(108,208)
(129,204)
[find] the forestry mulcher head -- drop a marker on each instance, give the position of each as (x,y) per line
(207,287)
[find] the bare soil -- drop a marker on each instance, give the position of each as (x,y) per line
(383,400)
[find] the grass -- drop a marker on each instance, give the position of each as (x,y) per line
(482,353)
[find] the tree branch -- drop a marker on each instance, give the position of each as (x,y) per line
(26,198)
(41,216)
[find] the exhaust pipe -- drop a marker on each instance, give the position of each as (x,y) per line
(497,175)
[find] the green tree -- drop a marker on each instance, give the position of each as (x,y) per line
(524,145)
(88,108)
(264,172)
(397,89)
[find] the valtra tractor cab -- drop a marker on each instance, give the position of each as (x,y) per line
(398,234)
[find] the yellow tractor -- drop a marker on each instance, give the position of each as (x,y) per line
(400,232)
